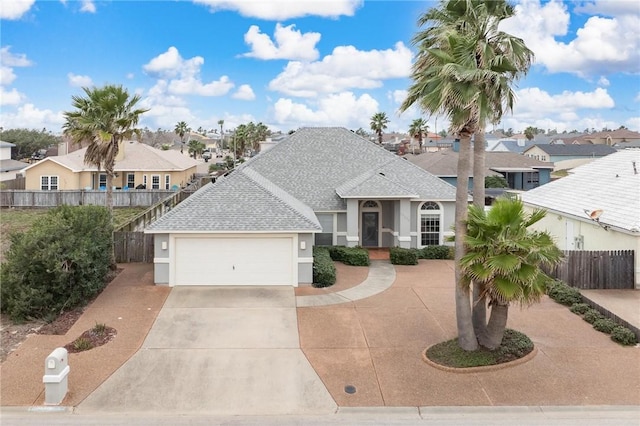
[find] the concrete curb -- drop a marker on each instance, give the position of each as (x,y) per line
(465,370)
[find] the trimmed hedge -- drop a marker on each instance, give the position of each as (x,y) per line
(624,336)
(402,256)
(353,256)
(435,252)
(579,308)
(324,271)
(591,316)
(60,263)
(605,325)
(563,294)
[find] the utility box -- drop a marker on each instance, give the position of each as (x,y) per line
(56,370)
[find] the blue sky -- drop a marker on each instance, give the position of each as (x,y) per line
(300,63)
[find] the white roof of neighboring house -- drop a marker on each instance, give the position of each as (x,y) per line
(610,184)
(137,157)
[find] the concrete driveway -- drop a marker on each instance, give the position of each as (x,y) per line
(223,350)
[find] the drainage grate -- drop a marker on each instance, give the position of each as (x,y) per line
(350,389)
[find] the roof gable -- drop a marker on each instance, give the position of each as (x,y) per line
(574,149)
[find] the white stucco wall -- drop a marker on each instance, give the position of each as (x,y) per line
(594,236)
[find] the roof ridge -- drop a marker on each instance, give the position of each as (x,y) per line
(301,209)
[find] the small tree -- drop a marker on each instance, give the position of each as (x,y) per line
(181,129)
(196,148)
(379,123)
(505,256)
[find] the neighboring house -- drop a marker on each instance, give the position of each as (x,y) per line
(521,173)
(318,187)
(136,164)
(567,156)
(510,145)
(607,189)
(9,168)
(610,138)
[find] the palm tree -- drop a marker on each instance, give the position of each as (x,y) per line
(379,122)
(505,256)
(181,129)
(417,129)
(261,132)
(530,133)
(221,123)
(103,119)
(195,148)
(464,69)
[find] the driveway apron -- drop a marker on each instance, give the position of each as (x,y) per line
(218,350)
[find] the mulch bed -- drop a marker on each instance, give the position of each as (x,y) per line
(91,339)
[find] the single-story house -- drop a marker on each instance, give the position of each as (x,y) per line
(522,173)
(9,168)
(595,207)
(567,156)
(136,165)
(257,225)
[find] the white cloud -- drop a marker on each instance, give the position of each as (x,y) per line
(88,6)
(604,82)
(28,116)
(79,80)
(285,9)
(339,109)
(11,97)
(245,93)
(602,46)
(184,75)
(399,96)
(7,76)
(289,44)
(608,8)
(14,9)
(345,68)
(13,60)
(633,123)
(130,76)
(637,98)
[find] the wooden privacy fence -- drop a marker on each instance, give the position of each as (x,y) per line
(596,269)
(133,247)
(131,198)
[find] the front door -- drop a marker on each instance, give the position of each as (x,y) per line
(370,229)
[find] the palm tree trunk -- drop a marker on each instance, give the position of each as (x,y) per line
(496,326)
(466,336)
(479,303)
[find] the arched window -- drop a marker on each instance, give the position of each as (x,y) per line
(370,204)
(429,224)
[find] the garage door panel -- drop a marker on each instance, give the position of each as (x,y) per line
(234,261)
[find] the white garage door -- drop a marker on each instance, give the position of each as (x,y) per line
(234,261)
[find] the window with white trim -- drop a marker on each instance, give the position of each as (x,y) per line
(131,180)
(429,223)
(48,183)
(155,181)
(167,181)
(102,180)
(144,181)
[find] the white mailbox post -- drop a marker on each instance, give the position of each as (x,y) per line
(56,370)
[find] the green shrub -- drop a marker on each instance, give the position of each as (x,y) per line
(435,252)
(324,271)
(605,325)
(354,256)
(591,316)
(100,328)
(82,344)
(402,256)
(563,294)
(624,336)
(61,262)
(579,308)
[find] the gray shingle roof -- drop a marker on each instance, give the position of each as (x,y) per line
(583,150)
(313,162)
(608,183)
(240,202)
(279,189)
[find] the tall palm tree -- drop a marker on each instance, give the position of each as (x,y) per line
(221,123)
(417,129)
(464,69)
(261,132)
(379,122)
(505,256)
(104,118)
(181,129)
